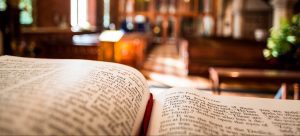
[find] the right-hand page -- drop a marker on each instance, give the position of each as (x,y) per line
(184,111)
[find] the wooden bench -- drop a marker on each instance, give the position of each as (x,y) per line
(219,75)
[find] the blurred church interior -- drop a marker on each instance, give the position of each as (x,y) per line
(221,45)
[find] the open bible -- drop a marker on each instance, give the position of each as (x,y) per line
(81,97)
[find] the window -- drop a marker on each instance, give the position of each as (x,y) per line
(79,14)
(26,12)
(106,16)
(2,5)
(83,14)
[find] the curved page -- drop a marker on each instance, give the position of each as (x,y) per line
(46,97)
(184,111)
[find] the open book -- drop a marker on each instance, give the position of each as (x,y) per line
(80,97)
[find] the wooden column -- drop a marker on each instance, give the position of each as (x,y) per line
(237,18)
(220,16)
(296,91)
(284,91)
(1,43)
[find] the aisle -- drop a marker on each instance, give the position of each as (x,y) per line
(167,66)
(166,59)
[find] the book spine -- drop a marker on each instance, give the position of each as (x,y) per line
(147,116)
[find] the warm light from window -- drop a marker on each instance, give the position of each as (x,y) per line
(106,16)
(79,14)
(82,12)
(74,13)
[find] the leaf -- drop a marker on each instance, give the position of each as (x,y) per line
(282,39)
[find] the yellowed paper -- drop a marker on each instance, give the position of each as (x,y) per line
(184,111)
(46,97)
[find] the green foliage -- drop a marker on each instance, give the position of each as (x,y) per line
(3,5)
(282,40)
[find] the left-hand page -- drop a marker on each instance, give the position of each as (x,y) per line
(47,96)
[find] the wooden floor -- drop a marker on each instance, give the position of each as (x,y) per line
(165,68)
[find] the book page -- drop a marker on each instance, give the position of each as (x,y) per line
(70,97)
(184,111)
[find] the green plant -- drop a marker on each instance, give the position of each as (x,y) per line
(285,39)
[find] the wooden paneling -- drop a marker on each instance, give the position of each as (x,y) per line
(256,20)
(48,10)
(225,52)
(114,5)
